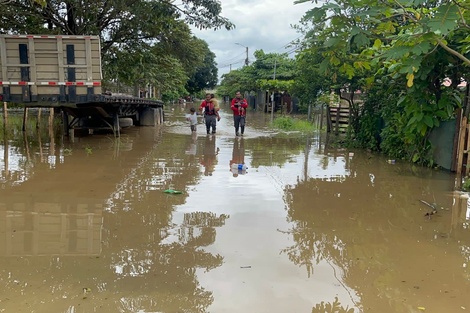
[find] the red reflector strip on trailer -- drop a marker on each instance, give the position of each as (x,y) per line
(54,36)
(80,84)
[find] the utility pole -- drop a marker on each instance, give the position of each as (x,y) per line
(246,60)
(272,102)
(274,76)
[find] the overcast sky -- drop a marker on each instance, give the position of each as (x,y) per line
(260,24)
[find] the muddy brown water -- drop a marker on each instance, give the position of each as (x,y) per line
(85,225)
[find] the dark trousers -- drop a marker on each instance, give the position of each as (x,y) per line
(211,121)
(239,122)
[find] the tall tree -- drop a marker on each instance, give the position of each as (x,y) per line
(417,44)
(167,64)
(397,34)
(204,75)
(270,71)
(118,22)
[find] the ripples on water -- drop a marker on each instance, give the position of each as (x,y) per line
(85,225)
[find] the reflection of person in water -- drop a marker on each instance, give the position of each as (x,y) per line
(209,157)
(238,157)
(192,145)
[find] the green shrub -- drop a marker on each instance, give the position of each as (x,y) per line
(466,184)
(288,123)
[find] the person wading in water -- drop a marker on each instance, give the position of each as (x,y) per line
(238,106)
(210,110)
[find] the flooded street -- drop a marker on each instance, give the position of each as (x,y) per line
(86,225)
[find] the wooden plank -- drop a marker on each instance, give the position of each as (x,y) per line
(329,125)
(458,120)
(461,148)
(467,147)
(336,120)
(339,116)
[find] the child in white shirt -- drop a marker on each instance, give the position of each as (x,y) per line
(192,118)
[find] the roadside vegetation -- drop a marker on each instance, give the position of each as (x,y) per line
(288,123)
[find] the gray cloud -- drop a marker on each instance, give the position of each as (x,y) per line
(259,25)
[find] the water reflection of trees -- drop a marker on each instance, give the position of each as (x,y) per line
(170,253)
(23,150)
(345,220)
(281,150)
(334,307)
(198,228)
(148,261)
(167,266)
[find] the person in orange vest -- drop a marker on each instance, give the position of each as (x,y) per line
(210,110)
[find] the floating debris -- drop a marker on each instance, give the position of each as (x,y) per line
(172,191)
(431,213)
(432,206)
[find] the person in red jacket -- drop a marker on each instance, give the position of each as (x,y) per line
(238,106)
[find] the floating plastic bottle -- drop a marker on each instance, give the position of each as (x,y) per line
(240,167)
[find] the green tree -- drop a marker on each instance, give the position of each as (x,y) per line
(310,81)
(237,80)
(269,71)
(204,75)
(166,65)
(412,42)
(117,22)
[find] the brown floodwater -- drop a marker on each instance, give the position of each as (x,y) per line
(86,225)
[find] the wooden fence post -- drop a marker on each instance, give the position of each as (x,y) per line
(38,122)
(5,114)
(25,118)
(461,146)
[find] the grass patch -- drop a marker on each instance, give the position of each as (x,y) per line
(288,123)
(466,184)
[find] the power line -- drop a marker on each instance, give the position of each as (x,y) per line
(236,57)
(291,51)
(229,61)
(230,64)
(285,46)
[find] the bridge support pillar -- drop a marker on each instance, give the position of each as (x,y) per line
(151,117)
(116,126)
(65,122)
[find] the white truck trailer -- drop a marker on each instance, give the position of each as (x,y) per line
(65,72)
